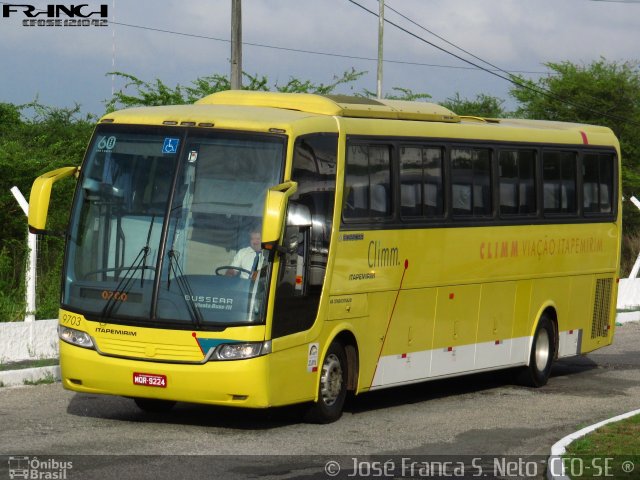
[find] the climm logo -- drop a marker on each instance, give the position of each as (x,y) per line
(382,256)
(503,249)
(55,11)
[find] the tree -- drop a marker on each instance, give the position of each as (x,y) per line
(399,94)
(48,139)
(158,93)
(483,106)
(600,93)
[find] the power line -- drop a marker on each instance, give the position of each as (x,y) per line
(309,52)
(510,79)
(446,41)
(442,49)
(596,99)
(312,52)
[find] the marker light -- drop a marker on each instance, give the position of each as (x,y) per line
(75,337)
(241,351)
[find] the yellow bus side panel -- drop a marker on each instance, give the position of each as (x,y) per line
(410,330)
(495,323)
(294,373)
(468,301)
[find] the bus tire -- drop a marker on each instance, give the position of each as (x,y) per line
(542,355)
(332,387)
(152,405)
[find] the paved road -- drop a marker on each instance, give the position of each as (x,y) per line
(481,415)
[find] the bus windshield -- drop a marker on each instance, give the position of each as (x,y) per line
(165,227)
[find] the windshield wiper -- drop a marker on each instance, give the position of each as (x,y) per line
(146,250)
(184,287)
(124,285)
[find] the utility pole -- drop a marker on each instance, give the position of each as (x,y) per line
(380,45)
(236,44)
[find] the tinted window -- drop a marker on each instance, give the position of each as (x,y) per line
(302,271)
(368,182)
(421,182)
(516,171)
(559,182)
(597,183)
(471,181)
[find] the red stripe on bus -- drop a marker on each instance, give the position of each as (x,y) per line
(585,140)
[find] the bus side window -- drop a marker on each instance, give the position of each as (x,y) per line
(598,183)
(303,266)
(559,180)
(516,170)
(471,182)
(421,182)
(368,182)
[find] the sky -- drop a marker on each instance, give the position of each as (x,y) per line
(63,65)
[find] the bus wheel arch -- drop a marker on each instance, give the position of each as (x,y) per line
(348,341)
(544,350)
(338,374)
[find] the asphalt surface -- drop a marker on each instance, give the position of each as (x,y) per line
(468,421)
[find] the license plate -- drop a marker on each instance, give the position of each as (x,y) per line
(150,380)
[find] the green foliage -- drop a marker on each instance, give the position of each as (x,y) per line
(399,94)
(48,138)
(482,106)
(46,380)
(158,93)
(601,93)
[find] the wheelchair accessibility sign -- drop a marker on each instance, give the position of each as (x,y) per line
(170,145)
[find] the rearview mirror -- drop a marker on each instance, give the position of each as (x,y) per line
(275,207)
(41,195)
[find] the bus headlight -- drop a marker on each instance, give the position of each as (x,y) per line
(240,351)
(75,337)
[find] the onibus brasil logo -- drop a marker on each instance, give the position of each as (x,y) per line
(40,469)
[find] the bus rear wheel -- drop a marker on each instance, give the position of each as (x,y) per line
(332,387)
(542,355)
(152,405)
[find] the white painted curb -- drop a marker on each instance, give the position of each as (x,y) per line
(12,378)
(560,447)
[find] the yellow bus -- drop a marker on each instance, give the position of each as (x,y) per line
(259,249)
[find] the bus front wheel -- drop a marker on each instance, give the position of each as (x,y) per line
(542,355)
(332,388)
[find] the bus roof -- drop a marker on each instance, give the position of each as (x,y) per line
(338,105)
(259,106)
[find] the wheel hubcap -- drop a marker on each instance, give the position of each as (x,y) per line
(542,350)
(331,379)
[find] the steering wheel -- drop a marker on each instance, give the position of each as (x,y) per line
(231,267)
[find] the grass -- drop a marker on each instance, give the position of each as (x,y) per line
(43,362)
(47,379)
(612,451)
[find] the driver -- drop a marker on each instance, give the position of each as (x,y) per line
(248,258)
